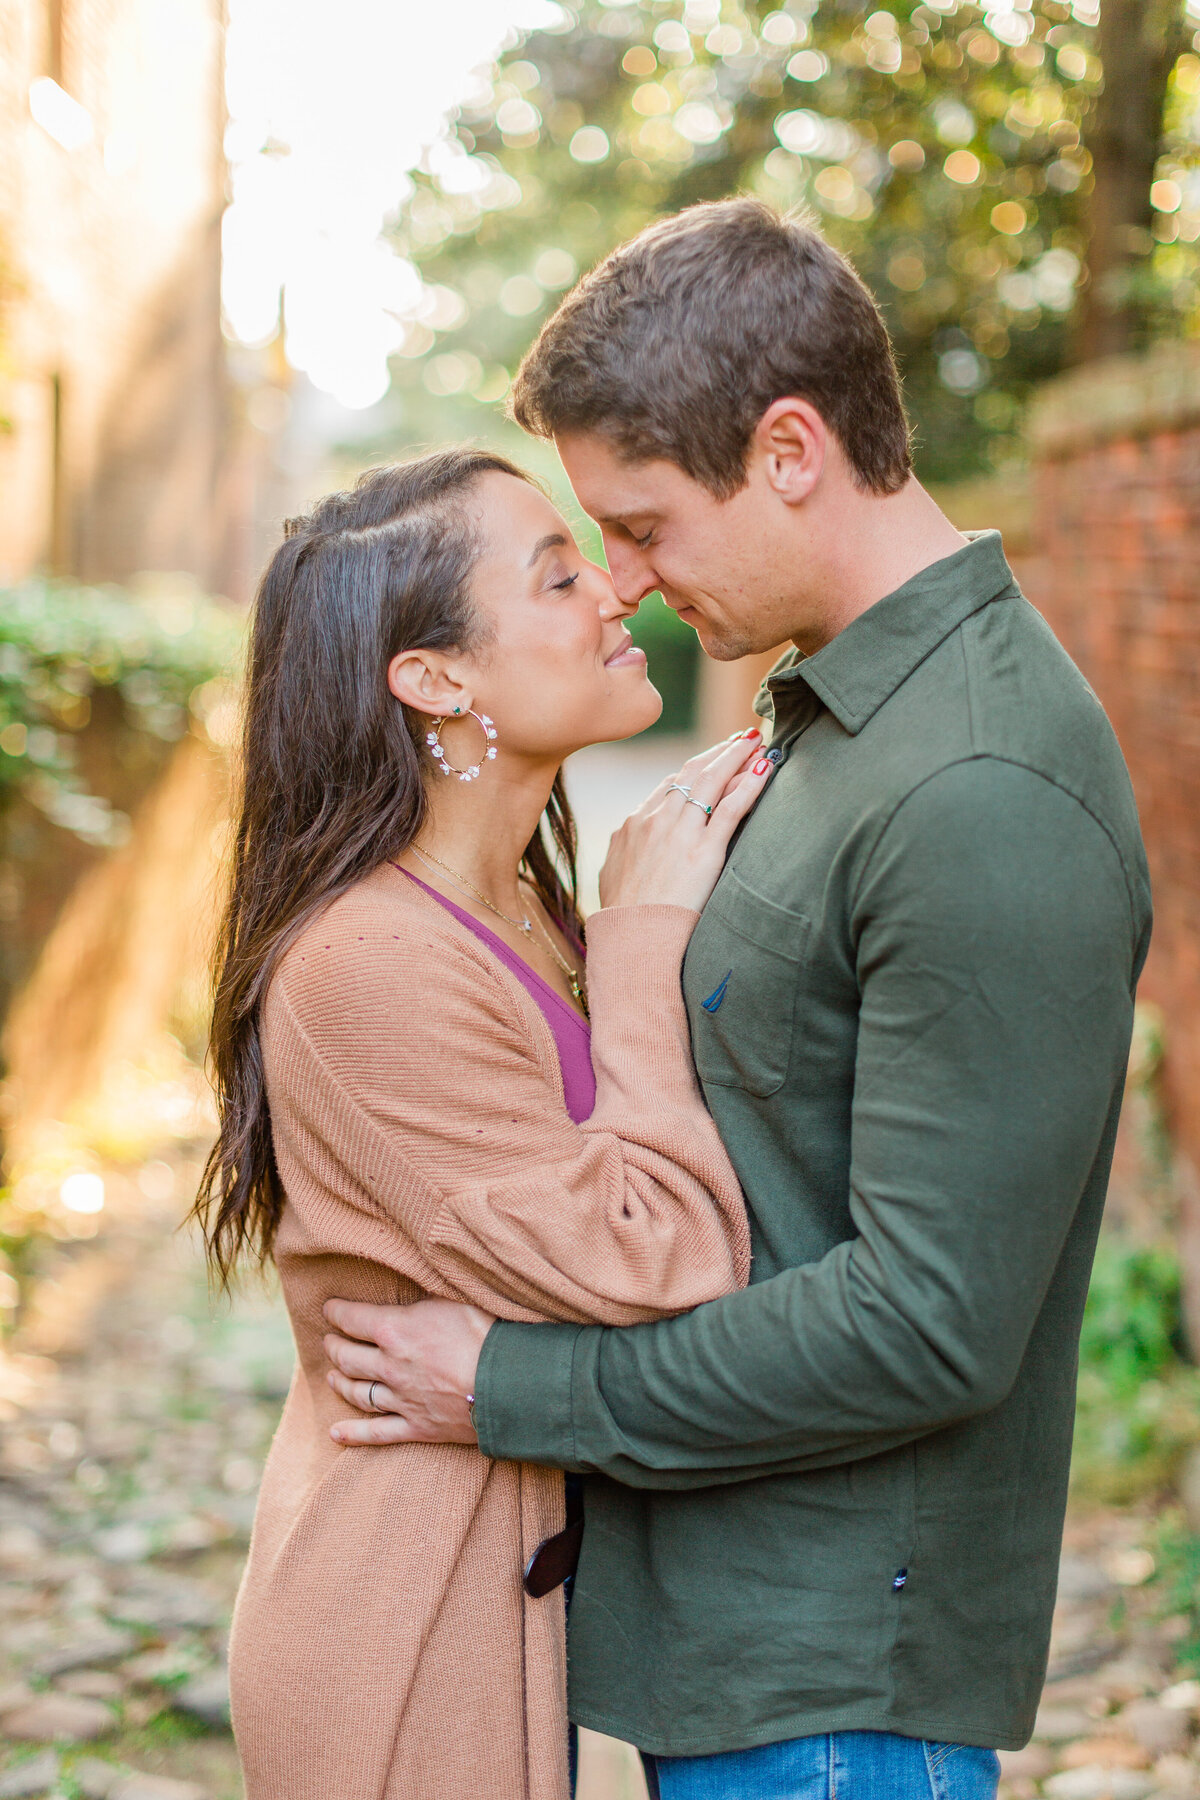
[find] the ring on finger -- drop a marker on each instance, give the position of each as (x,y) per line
(677,787)
(371,1406)
(706,810)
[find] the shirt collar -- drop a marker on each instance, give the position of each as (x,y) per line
(876,653)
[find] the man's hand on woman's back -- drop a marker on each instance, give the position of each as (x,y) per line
(409,1369)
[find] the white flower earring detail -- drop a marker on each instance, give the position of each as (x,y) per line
(434,741)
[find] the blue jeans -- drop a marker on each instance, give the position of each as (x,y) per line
(849,1765)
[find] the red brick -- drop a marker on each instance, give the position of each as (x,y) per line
(1114,569)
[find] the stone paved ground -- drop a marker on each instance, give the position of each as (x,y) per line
(133,1427)
(134,1417)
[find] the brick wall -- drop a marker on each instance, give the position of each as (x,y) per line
(1112,558)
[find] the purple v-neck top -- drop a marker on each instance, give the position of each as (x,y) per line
(572,1034)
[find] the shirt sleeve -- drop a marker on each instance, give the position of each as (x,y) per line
(436,1110)
(997,951)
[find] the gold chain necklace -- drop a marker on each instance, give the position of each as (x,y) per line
(524,926)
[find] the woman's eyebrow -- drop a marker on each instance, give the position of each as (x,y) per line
(553,540)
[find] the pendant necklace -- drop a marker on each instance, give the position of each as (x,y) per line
(524,926)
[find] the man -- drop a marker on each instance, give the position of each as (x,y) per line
(824,1515)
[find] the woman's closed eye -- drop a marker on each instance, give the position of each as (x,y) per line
(568,581)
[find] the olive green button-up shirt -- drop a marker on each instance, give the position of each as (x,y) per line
(834,1501)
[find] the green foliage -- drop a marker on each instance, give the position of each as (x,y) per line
(942,145)
(59,644)
(18,1256)
(1139,1400)
(1133,1322)
(1177,1562)
(673,654)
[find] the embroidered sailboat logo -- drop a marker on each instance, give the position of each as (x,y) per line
(713,1003)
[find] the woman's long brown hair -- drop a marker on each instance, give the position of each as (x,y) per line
(333,776)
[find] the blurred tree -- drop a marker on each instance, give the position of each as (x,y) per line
(1140,42)
(959,152)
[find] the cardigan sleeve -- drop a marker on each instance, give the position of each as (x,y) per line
(460,1136)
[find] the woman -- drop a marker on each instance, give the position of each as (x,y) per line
(408,1106)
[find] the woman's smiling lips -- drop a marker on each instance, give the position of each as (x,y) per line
(626,655)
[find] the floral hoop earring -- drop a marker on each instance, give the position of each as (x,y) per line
(434,740)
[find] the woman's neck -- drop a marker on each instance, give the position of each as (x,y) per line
(480,829)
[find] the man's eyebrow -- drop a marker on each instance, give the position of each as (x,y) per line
(553,540)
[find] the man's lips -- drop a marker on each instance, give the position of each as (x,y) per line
(626,654)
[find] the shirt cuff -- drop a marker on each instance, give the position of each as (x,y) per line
(523,1393)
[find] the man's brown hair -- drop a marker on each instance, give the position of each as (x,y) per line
(677,343)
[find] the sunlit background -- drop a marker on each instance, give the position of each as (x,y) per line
(325,128)
(250,247)
(366,164)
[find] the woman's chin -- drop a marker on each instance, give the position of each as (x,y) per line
(636,711)
(639,717)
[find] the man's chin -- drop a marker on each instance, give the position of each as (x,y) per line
(721,649)
(727,646)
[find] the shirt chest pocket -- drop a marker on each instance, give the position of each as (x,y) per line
(741,980)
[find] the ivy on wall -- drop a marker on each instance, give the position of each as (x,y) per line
(167,656)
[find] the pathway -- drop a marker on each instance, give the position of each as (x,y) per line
(132,1433)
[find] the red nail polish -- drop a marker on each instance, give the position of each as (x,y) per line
(753,732)
(761,766)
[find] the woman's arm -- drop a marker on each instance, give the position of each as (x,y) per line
(648,1218)
(399,1048)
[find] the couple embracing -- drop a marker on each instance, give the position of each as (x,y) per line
(723,1345)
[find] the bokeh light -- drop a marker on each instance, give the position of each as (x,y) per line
(83,1192)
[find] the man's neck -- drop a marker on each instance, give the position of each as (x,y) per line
(869,547)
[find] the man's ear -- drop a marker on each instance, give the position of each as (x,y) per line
(791,441)
(424,680)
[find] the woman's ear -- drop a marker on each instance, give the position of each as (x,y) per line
(422,680)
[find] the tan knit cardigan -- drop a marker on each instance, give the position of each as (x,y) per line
(383,1648)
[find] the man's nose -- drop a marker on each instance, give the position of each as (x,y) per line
(631,575)
(614,606)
